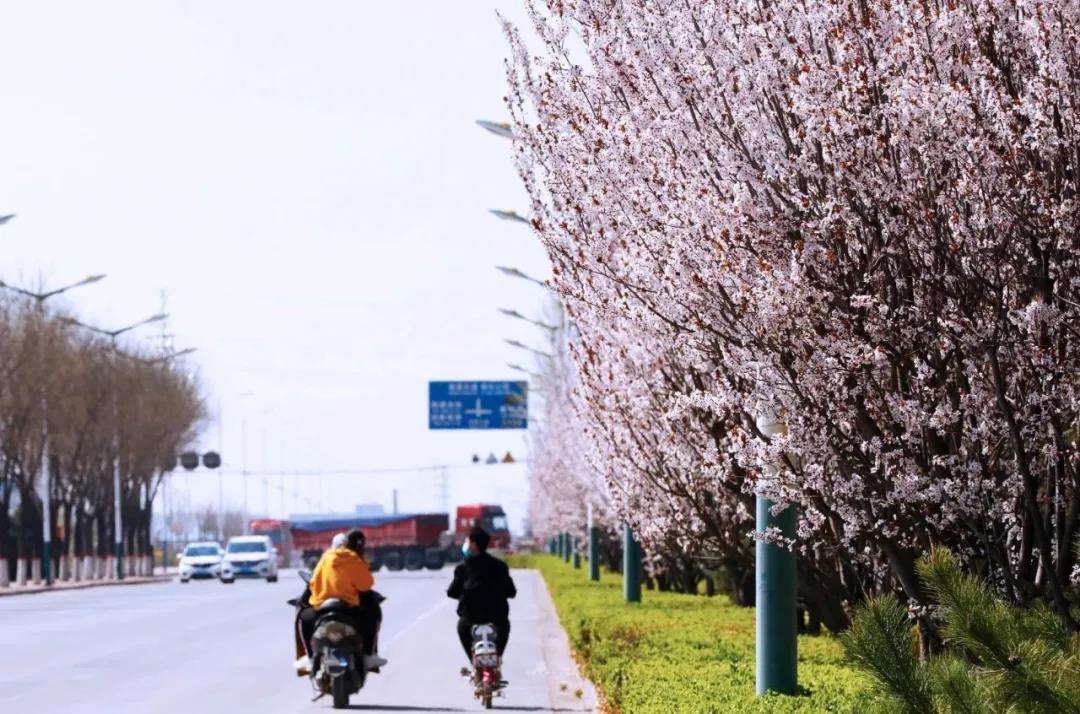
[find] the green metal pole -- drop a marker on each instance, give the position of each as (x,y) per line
(594,548)
(594,554)
(577,554)
(631,567)
(775,607)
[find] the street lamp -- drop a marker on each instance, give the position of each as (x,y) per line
(519,316)
(46,504)
(42,297)
(498,128)
(515,273)
(519,345)
(164,359)
(519,368)
(510,216)
(118,521)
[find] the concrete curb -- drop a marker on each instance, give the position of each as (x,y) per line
(565,679)
(12,591)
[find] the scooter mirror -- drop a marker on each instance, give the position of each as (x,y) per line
(305,575)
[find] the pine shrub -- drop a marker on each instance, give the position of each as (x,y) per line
(997,657)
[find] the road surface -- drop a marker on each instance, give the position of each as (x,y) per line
(206,647)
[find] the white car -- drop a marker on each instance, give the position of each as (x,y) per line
(249,557)
(200,560)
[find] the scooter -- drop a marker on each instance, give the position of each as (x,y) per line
(336,649)
(487,665)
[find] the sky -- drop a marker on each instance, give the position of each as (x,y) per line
(305,186)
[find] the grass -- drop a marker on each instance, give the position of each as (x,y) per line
(680,653)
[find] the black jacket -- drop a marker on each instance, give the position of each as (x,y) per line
(482,585)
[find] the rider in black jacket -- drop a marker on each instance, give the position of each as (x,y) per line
(482,585)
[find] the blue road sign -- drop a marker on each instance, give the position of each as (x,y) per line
(478,405)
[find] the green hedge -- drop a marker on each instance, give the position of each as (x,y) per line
(680,653)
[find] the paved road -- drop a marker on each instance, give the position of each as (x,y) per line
(205,647)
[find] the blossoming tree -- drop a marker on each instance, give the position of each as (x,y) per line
(858,216)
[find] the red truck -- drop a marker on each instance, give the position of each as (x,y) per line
(409,541)
(280,536)
(490,517)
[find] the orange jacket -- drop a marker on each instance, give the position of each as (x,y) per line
(341,574)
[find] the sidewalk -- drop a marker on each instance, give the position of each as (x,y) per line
(29,589)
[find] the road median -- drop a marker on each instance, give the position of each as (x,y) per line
(63,586)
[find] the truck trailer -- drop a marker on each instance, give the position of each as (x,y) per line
(409,541)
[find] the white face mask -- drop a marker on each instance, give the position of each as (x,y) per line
(465,549)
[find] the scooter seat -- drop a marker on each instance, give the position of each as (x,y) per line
(332,604)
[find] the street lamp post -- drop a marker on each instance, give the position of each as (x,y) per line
(243,460)
(118,520)
(45,475)
(164,359)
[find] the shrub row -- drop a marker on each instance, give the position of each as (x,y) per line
(681,653)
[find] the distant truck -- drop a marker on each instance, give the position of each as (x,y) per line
(280,536)
(488,516)
(408,541)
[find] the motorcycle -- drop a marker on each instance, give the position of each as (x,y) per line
(486,672)
(337,659)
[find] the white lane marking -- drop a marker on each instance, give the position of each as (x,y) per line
(428,614)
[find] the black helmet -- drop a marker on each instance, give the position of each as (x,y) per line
(354,540)
(480,538)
